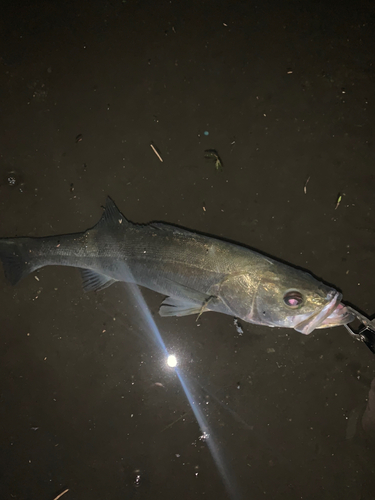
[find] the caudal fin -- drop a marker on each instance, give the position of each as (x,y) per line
(16,259)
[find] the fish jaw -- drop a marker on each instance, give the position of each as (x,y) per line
(326,317)
(339,316)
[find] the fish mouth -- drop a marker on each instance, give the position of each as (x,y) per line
(334,313)
(341,315)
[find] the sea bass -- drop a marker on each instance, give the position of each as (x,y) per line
(196,273)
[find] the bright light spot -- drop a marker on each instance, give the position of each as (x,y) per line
(204,436)
(172,361)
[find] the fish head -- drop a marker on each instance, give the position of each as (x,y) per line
(290,298)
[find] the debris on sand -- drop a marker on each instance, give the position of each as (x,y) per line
(338,201)
(61,494)
(156,152)
(305,186)
(212,154)
(238,326)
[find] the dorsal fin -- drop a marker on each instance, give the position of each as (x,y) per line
(112,217)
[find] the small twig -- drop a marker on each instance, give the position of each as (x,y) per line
(305,186)
(61,494)
(174,422)
(157,154)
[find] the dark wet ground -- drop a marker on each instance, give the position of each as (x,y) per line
(285,91)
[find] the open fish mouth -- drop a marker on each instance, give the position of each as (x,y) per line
(333,314)
(341,315)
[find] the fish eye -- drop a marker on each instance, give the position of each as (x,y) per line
(293,299)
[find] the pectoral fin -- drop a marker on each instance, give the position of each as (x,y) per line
(187,301)
(186,292)
(173,306)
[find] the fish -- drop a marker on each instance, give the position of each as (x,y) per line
(196,273)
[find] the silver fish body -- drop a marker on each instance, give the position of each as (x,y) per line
(197,273)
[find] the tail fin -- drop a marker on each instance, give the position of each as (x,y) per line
(16,259)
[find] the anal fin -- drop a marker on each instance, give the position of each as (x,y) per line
(93,281)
